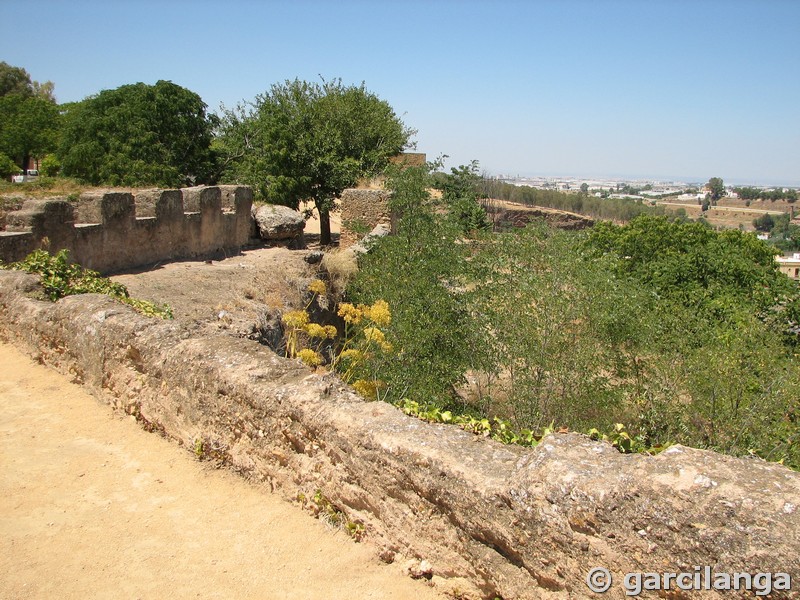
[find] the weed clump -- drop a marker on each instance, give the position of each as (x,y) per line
(60,278)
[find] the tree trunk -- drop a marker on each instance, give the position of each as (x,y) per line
(324,227)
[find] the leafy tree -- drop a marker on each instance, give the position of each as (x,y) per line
(721,275)
(28,115)
(460,192)
(7,166)
(716,189)
(307,141)
(28,127)
(139,134)
(14,81)
(764,223)
(49,165)
(17,82)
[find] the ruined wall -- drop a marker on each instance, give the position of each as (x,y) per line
(491,520)
(410,159)
(112,231)
(362,210)
(368,205)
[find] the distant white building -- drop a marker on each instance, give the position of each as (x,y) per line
(790,265)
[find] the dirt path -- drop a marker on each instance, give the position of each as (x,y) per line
(91,506)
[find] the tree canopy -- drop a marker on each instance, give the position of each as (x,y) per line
(17,82)
(28,127)
(28,117)
(690,263)
(308,141)
(716,189)
(139,134)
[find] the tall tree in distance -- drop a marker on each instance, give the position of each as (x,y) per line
(716,189)
(307,141)
(139,134)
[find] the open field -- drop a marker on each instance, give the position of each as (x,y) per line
(731,212)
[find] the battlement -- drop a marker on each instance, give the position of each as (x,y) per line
(113,231)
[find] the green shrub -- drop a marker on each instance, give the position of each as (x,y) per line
(61,278)
(50,166)
(418,273)
(682,333)
(8,167)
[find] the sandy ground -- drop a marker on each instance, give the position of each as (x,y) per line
(312,223)
(91,506)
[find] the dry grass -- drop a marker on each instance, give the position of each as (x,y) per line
(731,213)
(43,187)
(341,266)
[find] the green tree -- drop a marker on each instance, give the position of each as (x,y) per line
(7,166)
(717,274)
(764,223)
(28,115)
(461,194)
(716,189)
(14,81)
(29,126)
(307,141)
(139,134)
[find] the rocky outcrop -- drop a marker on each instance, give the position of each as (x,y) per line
(488,519)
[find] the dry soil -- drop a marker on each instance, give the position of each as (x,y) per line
(92,506)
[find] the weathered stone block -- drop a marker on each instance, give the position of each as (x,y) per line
(275,222)
(117,209)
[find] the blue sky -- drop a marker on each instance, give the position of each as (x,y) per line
(686,89)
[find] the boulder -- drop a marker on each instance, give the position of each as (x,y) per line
(274,222)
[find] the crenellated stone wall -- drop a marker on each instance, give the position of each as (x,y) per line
(113,231)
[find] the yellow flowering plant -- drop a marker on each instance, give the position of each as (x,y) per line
(364,340)
(298,327)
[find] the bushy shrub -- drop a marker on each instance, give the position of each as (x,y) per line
(8,167)
(418,272)
(682,333)
(50,166)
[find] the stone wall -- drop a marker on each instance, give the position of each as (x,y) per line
(362,210)
(113,231)
(489,519)
(410,159)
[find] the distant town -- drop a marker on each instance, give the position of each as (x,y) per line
(626,188)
